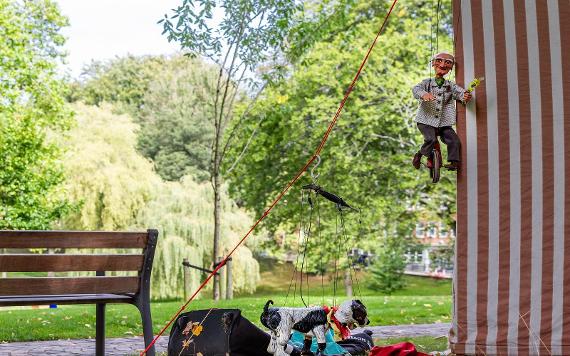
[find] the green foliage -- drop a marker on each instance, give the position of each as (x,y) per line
(121,81)
(177,130)
(118,190)
(367,157)
(105,173)
(171,98)
(182,213)
(248,35)
(251,29)
(32,112)
(388,270)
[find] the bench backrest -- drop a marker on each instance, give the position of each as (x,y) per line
(100,263)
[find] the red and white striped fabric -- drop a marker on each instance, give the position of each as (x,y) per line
(512,282)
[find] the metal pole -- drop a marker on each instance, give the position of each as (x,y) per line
(221,278)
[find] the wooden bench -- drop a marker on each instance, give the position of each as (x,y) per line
(96,289)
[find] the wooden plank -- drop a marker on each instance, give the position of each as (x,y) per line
(68,285)
(6,301)
(72,239)
(67,263)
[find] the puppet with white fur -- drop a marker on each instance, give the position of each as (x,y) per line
(313,322)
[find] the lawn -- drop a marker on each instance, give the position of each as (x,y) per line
(423,300)
(276,278)
(78,321)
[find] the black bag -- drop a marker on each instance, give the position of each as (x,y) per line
(223,332)
(358,344)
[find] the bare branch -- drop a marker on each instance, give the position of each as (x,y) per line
(242,117)
(246,146)
(398,140)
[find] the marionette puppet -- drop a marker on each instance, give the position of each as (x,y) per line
(311,321)
(436,113)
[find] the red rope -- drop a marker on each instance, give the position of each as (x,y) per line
(289,185)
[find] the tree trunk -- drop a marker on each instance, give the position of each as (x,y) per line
(217,227)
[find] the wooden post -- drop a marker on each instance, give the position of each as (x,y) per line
(348,282)
(220,277)
(186,278)
(229,286)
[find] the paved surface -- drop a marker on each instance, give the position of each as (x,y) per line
(134,345)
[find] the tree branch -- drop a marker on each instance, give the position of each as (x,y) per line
(246,146)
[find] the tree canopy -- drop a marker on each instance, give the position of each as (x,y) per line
(32,114)
(116,188)
(367,158)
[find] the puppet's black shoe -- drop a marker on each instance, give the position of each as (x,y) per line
(452,166)
(417,161)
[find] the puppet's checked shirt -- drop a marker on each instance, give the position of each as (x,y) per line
(441,111)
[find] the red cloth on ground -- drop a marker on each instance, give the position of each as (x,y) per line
(403,348)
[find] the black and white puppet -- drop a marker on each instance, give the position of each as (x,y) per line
(313,322)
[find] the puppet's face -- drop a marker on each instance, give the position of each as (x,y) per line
(442,63)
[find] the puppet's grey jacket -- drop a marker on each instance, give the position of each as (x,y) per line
(441,111)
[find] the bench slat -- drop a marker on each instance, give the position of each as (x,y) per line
(72,239)
(68,263)
(68,285)
(65,299)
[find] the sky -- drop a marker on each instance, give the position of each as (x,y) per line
(104,29)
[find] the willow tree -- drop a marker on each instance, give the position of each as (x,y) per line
(32,111)
(182,212)
(249,34)
(106,176)
(116,188)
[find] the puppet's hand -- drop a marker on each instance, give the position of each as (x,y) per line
(428,97)
(467,97)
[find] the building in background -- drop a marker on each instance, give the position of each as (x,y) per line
(435,258)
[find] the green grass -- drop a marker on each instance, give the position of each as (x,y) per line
(78,321)
(276,279)
(423,300)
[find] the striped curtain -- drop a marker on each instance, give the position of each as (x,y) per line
(512,281)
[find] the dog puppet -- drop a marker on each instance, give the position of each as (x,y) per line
(313,321)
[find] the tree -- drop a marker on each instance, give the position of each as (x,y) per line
(117,189)
(246,37)
(386,272)
(32,114)
(168,97)
(107,177)
(122,81)
(176,132)
(367,158)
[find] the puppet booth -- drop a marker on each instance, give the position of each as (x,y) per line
(512,282)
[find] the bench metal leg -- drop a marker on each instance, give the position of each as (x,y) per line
(100,330)
(144,309)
